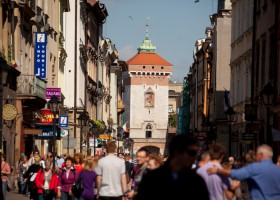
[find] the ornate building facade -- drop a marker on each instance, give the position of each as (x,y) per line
(146,97)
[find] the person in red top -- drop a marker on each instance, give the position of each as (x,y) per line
(78,162)
(46,182)
(5,172)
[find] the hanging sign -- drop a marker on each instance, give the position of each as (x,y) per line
(40,55)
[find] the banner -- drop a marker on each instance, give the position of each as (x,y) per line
(40,61)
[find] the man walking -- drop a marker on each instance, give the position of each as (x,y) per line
(142,156)
(111,175)
(262,177)
(217,185)
(175,179)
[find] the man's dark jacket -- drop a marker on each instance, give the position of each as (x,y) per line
(162,184)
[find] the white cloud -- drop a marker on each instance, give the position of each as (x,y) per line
(127,52)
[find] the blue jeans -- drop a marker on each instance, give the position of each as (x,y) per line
(41,197)
(4,189)
(23,188)
(66,196)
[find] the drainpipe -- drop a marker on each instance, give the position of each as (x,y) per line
(196,94)
(97,68)
(253,51)
(253,57)
(12,30)
(75,73)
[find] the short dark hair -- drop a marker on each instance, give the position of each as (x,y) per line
(4,156)
(217,151)
(70,159)
(180,143)
(145,150)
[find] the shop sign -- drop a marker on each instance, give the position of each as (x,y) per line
(47,132)
(45,117)
(248,136)
(9,112)
(53,92)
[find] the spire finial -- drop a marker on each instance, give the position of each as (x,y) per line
(147,46)
(147,27)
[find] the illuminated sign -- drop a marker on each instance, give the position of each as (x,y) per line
(45,117)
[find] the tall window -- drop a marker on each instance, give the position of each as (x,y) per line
(148,131)
(170,108)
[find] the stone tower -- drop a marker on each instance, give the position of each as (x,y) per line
(146,97)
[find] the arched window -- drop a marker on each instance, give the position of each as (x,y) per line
(149,131)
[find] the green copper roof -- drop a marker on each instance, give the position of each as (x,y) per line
(146,46)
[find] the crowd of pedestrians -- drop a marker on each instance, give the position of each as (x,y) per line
(149,176)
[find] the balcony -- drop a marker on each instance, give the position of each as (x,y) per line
(31,88)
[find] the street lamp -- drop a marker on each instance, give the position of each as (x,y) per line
(3,75)
(268,96)
(82,121)
(54,106)
(231,114)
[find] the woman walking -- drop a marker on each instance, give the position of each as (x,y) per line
(78,162)
(88,180)
(5,172)
(46,182)
(23,167)
(29,177)
(66,179)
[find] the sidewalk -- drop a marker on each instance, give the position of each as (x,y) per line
(13,195)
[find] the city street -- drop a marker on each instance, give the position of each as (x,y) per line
(13,195)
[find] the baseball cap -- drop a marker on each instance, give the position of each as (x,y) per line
(22,155)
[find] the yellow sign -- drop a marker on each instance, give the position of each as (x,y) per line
(9,112)
(105,137)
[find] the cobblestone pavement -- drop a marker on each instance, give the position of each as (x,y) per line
(14,195)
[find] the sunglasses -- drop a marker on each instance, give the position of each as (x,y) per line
(191,152)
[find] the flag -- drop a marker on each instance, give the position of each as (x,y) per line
(226,100)
(124,127)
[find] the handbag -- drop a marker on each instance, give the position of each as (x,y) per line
(48,192)
(9,185)
(77,187)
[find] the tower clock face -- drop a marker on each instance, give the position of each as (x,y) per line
(41,37)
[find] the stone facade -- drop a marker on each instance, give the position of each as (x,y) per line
(241,61)
(146,98)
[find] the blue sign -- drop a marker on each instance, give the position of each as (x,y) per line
(40,55)
(47,132)
(63,121)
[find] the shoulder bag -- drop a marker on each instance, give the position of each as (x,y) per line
(77,187)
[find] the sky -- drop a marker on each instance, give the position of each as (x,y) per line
(174,26)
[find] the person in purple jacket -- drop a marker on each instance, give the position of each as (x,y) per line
(88,181)
(67,178)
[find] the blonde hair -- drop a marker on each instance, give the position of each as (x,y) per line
(88,166)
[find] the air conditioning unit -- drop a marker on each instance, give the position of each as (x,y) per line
(22,2)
